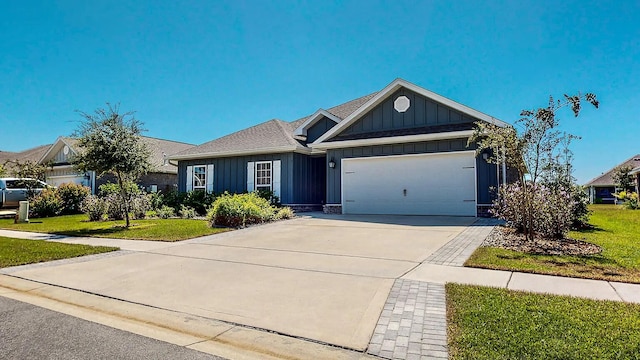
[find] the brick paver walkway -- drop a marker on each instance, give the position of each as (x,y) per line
(458,250)
(413,323)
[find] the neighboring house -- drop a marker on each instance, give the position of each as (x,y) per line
(602,188)
(636,175)
(58,157)
(402,150)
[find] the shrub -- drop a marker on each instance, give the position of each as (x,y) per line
(551,209)
(187,212)
(46,203)
(72,196)
(95,207)
(111,188)
(268,195)
(156,200)
(165,212)
(630,199)
(199,200)
(580,207)
(285,213)
(140,204)
(115,206)
(240,210)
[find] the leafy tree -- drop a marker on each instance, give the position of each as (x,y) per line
(110,142)
(622,179)
(3,171)
(27,169)
(540,152)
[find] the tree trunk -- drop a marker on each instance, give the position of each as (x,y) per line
(125,198)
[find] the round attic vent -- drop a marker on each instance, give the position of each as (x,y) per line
(401,104)
(65,150)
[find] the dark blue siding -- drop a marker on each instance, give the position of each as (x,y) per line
(486,173)
(422,112)
(319,128)
(230,173)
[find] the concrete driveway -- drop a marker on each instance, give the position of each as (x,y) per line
(319,277)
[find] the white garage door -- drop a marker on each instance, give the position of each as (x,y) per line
(59,180)
(425,184)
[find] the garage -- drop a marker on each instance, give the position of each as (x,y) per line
(423,184)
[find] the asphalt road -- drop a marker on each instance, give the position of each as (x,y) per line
(31,332)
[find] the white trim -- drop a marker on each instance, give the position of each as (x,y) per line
(189,180)
(193,186)
(209,178)
(59,167)
(392,140)
(60,139)
(251,176)
(390,89)
(270,150)
(276,177)
(313,119)
(255,174)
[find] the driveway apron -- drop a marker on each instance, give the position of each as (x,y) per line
(319,277)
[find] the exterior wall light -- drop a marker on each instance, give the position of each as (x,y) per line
(332,164)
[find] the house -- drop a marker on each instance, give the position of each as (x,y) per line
(602,188)
(401,150)
(58,156)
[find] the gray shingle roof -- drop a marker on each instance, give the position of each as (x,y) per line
(267,135)
(158,148)
(33,154)
(606,178)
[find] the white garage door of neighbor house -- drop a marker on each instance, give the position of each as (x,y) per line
(59,180)
(425,184)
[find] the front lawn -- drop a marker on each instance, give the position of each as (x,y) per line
(616,230)
(151,229)
(15,252)
(490,323)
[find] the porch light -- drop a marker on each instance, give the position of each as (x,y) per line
(332,164)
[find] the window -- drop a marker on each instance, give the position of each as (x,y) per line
(263,175)
(199,177)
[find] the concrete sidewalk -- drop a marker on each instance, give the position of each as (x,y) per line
(131,245)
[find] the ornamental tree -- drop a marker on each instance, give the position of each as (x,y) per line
(110,142)
(622,179)
(538,153)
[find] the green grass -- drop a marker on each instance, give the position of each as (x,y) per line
(616,230)
(490,323)
(152,229)
(15,252)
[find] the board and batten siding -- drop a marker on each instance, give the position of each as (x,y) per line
(319,128)
(309,174)
(422,112)
(230,173)
(486,172)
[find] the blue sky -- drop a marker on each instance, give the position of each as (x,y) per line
(197,70)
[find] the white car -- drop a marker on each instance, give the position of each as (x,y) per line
(14,190)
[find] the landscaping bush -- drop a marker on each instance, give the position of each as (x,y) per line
(46,203)
(72,196)
(187,212)
(285,213)
(165,212)
(630,199)
(580,208)
(240,210)
(140,204)
(269,196)
(115,206)
(95,207)
(555,208)
(172,198)
(199,200)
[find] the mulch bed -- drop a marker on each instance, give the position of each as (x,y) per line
(506,238)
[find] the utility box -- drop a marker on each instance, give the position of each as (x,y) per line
(23,212)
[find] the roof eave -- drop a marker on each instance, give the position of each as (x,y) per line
(392,140)
(270,150)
